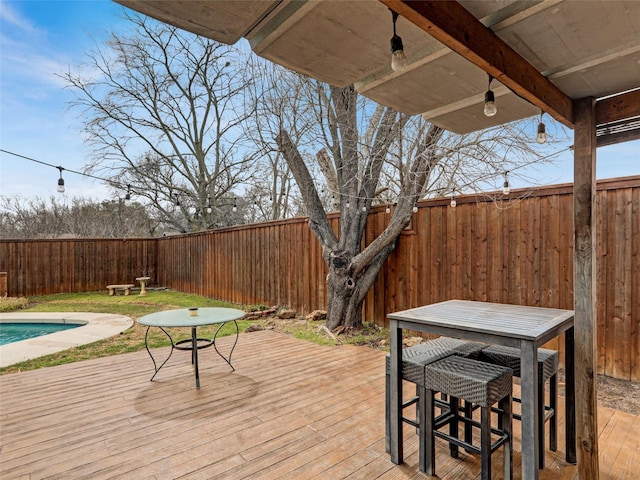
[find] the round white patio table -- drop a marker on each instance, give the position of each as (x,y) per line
(191,318)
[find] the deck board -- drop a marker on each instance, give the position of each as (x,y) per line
(291,409)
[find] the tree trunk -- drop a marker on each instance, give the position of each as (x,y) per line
(348,287)
(344,303)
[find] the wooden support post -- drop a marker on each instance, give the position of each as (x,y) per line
(585,276)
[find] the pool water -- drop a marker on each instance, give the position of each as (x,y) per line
(14,332)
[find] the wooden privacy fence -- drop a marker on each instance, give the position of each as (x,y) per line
(41,267)
(517,250)
(522,253)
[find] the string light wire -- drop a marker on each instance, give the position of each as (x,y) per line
(61,168)
(441,190)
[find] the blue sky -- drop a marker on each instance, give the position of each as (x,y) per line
(39,39)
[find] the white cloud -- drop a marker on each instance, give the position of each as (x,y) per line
(12,17)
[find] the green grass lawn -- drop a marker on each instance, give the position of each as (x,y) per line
(135,306)
(132,306)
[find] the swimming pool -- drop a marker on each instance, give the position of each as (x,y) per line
(91,327)
(14,332)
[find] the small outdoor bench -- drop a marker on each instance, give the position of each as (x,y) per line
(126,287)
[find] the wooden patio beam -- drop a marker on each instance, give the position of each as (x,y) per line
(618,107)
(616,110)
(615,138)
(452,25)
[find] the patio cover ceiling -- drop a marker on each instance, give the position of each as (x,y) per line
(543,53)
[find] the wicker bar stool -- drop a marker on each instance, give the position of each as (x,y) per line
(480,384)
(414,360)
(547,370)
(462,348)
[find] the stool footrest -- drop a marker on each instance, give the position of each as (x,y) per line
(469,447)
(549,412)
(439,422)
(440,419)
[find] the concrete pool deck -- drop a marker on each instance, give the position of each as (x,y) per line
(96,326)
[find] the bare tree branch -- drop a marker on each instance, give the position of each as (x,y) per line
(165,96)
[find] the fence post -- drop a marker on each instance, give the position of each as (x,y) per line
(3,285)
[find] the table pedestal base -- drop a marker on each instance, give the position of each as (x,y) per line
(194,344)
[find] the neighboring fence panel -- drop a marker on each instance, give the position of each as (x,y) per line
(276,263)
(41,267)
(518,251)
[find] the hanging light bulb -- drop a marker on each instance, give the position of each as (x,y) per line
(542,131)
(490,101)
(61,181)
(398,58)
(127,197)
(415,208)
(506,190)
(453,200)
(235,206)
(387,209)
(364,208)
(209,209)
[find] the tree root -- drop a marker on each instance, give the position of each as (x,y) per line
(323,328)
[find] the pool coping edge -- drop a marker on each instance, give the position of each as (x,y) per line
(98,326)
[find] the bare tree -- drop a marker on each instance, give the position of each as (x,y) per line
(162,110)
(273,194)
(54,218)
(278,96)
(368,154)
(352,270)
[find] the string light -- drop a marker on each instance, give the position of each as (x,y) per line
(398,58)
(60,181)
(209,209)
(453,202)
(506,190)
(235,205)
(387,209)
(542,131)
(60,187)
(490,101)
(127,197)
(415,208)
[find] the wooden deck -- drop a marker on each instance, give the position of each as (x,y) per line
(291,409)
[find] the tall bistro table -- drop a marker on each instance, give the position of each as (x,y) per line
(523,327)
(191,318)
